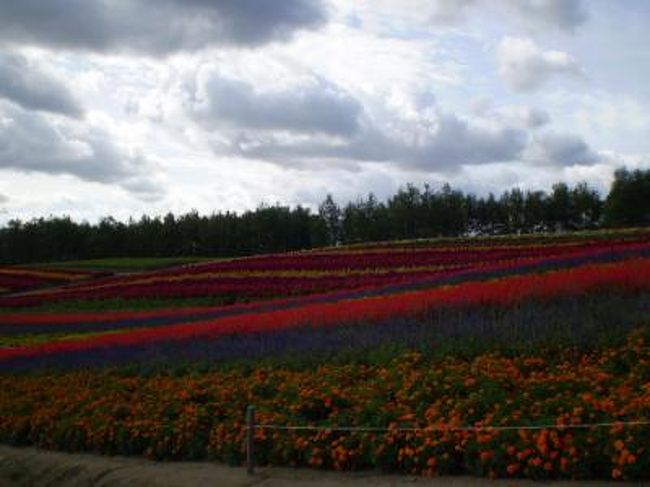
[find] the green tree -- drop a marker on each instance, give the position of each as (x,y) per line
(331,214)
(587,206)
(628,202)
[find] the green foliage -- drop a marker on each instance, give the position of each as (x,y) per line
(266,229)
(330,215)
(130,264)
(628,202)
(140,304)
(410,213)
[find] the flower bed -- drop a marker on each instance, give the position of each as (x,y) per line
(202,416)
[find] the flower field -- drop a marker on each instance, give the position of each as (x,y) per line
(305,273)
(499,357)
(201,416)
(14,279)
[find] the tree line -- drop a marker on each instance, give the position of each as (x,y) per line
(412,212)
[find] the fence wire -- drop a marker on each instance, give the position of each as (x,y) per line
(443,428)
(252,426)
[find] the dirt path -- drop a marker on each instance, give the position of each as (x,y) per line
(38,468)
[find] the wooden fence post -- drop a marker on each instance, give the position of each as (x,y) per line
(250,440)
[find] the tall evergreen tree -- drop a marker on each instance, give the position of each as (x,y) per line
(331,214)
(628,202)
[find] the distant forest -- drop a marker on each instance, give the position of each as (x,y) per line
(412,212)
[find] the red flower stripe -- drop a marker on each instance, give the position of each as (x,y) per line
(170,286)
(629,276)
(15,279)
(353,260)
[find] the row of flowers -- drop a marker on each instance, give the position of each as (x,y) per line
(14,279)
(454,275)
(628,276)
(197,416)
(386,259)
(299,274)
(238,288)
(377,258)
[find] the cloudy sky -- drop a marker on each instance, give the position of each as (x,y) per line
(148,106)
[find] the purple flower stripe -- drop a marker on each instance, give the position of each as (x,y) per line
(524,322)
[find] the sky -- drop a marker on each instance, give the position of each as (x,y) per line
(134,107)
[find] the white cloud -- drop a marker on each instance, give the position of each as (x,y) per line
(618,121)
(518,116)
(400,126)
(32,142)
(526,67)
(609,113)
(373,65)
(221,104)
(495,178)
(294,117)
(437,143)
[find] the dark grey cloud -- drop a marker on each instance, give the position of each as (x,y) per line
(318,108)
(29,142)
(562,150)
(154,26)
(25,84)
(535,117)
(450,11)
(563,14)
(447,145)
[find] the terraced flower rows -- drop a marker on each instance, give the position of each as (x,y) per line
(15,279)
(355,337)
(136,336)
(319,272)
